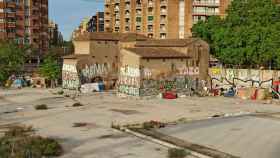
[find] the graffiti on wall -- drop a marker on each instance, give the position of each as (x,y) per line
(70,77)
(94,70)
(149,82)
(129,81)
(242,77)
(129,90)
(189,71)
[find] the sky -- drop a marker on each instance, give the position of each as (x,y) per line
(69,13)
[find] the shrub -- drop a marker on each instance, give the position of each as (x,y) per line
(77,105)
(153,124)
(177,153)
(21,142)
(60,92)
(41,107)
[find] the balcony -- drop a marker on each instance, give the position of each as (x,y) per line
(20,33)
(150,22)
(11,15)
(11,4)
(11,35)
(2,15)
(127,7)
(162,30)
(20,13)
(117,16)
(163,12)
(139,14)
(127,16)
(11,24)
(150,30)
(127,23)
(44,5)
(201,13)
(138,23)
(163,3)
(138,6)
(163,21)
(117,9)
(206,3)
(151,4)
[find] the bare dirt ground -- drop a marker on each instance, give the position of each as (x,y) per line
(97,139)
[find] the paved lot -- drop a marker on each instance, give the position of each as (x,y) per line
(247,136)
(98,140)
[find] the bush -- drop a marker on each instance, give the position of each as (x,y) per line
(21,142)
(60,92)
(77,105)
(153,124)
(177,153)
(41,107)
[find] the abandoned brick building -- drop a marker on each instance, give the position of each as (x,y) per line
(141,66)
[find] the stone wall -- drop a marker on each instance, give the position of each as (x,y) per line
(151,82)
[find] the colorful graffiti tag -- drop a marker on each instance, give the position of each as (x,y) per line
(70,78)
(242,77)
(94,70)
(189,71)
(149,82)
(129,81)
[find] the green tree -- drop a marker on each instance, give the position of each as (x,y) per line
(249,35)
(50,69)
(11,59)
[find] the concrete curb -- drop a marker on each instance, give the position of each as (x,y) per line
(157,141)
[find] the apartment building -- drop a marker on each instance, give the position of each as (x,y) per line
(55,36)
(26,22)
(96,23)
(160,19)
(82,28)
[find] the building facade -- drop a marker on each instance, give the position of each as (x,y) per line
(96,23)
(160,19)
(26,22)
(55,36)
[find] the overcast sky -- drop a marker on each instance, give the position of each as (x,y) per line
(69,13)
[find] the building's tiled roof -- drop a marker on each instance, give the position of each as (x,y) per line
(157,53)
(167,42)
(76,56)
(125,37)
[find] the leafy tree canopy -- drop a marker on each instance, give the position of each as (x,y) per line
(249,35)
(50,68)
(12,58)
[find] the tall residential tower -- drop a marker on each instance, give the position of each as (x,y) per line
(26,22)
(159,19)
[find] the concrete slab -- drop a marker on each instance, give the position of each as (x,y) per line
(247,136)
(103,109)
